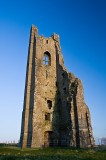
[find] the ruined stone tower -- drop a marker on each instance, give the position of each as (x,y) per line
(54,111)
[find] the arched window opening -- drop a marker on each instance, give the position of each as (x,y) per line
(46,58)
(48,139)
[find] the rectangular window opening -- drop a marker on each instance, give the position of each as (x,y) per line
(64,89)
(49,104)
(47,41)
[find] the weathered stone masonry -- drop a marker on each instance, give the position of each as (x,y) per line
(54,111)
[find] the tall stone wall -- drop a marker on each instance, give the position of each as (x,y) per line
(54,112)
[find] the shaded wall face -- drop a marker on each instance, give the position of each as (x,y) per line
(81,116)
(75,126)
(65,126)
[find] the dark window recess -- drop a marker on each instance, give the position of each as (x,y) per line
(63,75)
(49,104)
(73,84)
(47,41)
(47,116)
(64,89)
(56,84)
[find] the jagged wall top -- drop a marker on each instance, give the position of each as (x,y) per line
(54,36)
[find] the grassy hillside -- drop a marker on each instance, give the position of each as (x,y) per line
(15,153)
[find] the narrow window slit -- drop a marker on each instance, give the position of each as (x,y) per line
(49,104)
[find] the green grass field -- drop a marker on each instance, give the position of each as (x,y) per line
(15,153)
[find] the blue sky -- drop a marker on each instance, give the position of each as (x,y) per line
(81,25)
